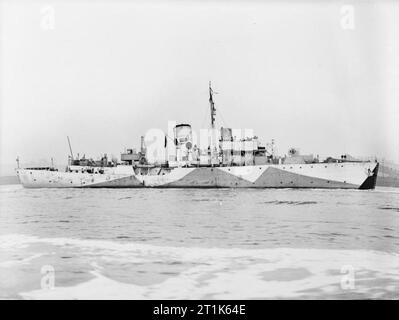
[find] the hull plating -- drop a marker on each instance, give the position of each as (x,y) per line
(321,175)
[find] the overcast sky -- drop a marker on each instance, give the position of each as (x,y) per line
(106,72)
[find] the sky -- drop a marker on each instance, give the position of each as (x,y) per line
(321,76)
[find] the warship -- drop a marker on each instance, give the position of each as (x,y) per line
(226,160)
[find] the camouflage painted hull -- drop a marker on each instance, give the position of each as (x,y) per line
(347,175)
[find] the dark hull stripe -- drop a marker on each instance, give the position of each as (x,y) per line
(371,181)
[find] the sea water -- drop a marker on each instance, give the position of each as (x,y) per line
(198,243)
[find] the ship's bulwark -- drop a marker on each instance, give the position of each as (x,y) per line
(347,175)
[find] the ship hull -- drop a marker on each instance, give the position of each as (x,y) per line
(346,175)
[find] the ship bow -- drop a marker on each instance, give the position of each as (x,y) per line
(371,180)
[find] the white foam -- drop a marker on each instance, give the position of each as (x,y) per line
(386,190)
(14,263)
(222,273)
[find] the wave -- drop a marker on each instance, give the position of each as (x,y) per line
(389,208)
(125,198)
(16,262)
(278,202)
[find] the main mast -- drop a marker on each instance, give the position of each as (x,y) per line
(213,151)
(212,106)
